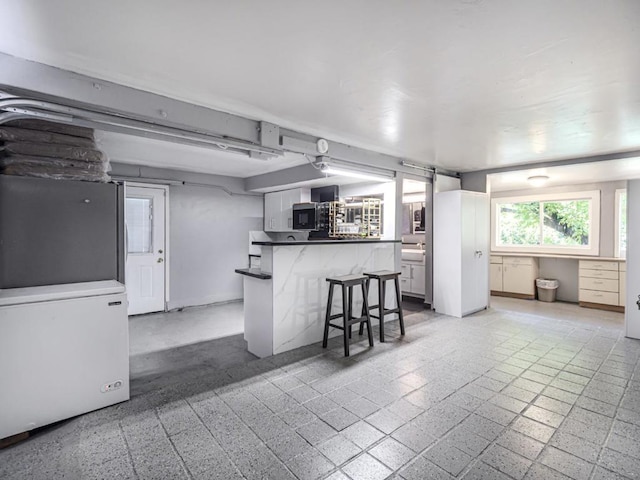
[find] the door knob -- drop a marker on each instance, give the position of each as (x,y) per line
(638,302)
(479,253)
(160,260)
(160,251)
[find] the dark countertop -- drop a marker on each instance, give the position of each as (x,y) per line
(254,272)
(321,242)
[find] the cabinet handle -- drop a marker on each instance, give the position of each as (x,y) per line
(598,283)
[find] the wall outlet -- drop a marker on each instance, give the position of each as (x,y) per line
(112,386)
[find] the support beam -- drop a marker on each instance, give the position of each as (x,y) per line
(282,178)
(477,181)
(298,142)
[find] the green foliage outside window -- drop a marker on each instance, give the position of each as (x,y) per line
(563,223)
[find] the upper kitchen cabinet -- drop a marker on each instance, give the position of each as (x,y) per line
(461,252)
(278,208)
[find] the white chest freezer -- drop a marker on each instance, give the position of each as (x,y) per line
(64,351)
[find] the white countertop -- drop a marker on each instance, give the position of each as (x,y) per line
(551,255)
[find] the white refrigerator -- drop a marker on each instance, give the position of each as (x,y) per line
(64,351)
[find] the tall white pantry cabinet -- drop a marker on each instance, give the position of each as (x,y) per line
(461,244)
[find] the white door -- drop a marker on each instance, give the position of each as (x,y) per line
(483,246)
(469,270)
(145,213)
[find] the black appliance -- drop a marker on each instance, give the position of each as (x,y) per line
(305,216)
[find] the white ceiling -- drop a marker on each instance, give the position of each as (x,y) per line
(462,84)
(611,170)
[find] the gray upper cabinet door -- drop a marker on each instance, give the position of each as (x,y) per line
(57,231)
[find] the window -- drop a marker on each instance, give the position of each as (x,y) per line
(139,226)
(621,224)
(566,223)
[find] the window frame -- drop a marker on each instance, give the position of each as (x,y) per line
(593,249)
(616,225)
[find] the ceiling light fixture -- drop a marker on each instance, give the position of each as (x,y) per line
(538,180)
(353,174)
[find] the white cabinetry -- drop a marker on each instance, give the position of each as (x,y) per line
(514,276)
(412,280)
(519,276)
(495,274)
(623,284)
(599,284)
(278,208)
(460,252)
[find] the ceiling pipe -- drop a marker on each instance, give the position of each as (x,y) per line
(27,108)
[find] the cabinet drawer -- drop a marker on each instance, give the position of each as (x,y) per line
(518,260)
(593,296)
(495,259)
(599,273)
(602,284)
(623,266)
(596,265)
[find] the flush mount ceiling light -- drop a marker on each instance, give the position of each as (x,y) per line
(538,180)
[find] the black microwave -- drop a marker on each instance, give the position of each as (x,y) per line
(305,216)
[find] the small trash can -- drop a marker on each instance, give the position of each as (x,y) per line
(547,289)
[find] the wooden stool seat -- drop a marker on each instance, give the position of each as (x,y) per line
(347,282)
(382,276)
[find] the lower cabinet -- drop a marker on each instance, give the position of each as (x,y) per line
(495,274)
(602,284)
(623,284)
(514,276)
(412,280)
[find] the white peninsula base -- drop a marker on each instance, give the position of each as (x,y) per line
(287,311)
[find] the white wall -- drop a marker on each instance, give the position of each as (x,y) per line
(209,240)
(632,313)
(388,189)
(444,183)
(209,233)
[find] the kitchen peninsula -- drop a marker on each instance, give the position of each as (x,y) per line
(285,302)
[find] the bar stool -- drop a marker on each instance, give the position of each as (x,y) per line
(382,277)
(347,282)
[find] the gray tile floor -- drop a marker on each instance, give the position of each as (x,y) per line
(157,332)
(523,390)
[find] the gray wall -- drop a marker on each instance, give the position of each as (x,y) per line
(566,270)
(210,219)
(474,181)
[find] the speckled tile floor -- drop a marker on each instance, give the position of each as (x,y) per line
(523,390)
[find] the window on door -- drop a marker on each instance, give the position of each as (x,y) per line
(621,224)
(558,223)
(139,220)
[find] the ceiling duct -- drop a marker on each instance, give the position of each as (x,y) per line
(13,108)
